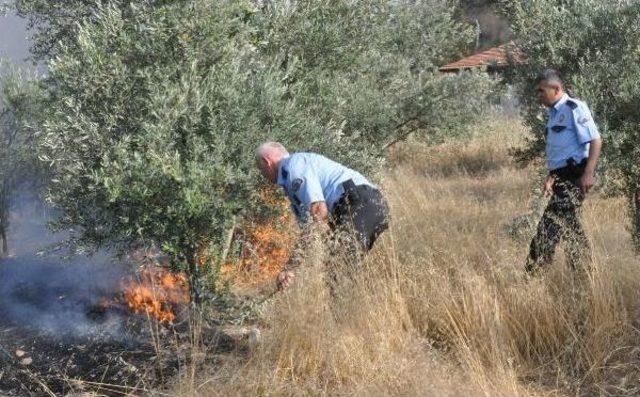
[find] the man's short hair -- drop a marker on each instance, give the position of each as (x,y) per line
(549,75)
(270,146)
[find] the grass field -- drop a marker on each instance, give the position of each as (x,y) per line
(442,306)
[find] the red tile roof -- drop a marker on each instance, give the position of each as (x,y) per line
(498,56)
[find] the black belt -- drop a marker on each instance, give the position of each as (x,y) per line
(573,169)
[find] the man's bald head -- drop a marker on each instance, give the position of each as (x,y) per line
(271,149)
(268,158)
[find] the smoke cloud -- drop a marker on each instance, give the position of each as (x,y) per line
(50,293)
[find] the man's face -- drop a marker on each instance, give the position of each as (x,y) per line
(268,169)
(548,94)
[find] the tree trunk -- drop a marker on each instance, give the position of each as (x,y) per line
(4,220)
(227,244)
(195,285)
(4,224)
(4,249)
(636,219)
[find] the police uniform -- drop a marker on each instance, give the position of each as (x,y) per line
(351,199)
(570,129)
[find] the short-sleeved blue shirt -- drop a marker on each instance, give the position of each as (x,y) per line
(308,178)
(570,129)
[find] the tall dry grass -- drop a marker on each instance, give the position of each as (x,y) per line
(442,306)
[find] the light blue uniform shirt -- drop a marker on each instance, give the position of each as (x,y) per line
(308,178)
(569,130)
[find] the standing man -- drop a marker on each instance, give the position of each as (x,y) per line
(573,148)
(325,195)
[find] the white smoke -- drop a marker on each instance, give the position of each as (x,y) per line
(50,293)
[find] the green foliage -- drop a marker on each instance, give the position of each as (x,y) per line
(596,45)
(17,161)
(152,109)
(53,22)
(154,115)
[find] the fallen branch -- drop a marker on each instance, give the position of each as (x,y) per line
(228,242)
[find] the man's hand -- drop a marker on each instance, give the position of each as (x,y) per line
(547,188)
(589,177)
(285,279)
(318,226)
(587,181)
(319,212)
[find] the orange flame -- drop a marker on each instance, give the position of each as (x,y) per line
(158,293)
(266,247)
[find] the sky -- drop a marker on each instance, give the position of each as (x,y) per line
(14,45)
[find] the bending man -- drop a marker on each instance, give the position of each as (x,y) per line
(325,194)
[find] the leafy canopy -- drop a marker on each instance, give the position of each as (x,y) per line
(153,108)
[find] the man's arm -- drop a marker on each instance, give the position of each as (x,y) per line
(318,225)
(589,177)
(587,132)
(320,212)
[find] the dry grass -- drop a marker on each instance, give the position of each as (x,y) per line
(442,306)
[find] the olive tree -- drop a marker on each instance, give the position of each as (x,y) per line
(152,109)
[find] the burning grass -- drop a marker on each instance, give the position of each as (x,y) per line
(441,306)
(60,330)
(96,327)
(265,248)
(157,292)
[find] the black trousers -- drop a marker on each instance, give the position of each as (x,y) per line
(561,221)
(363,212)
